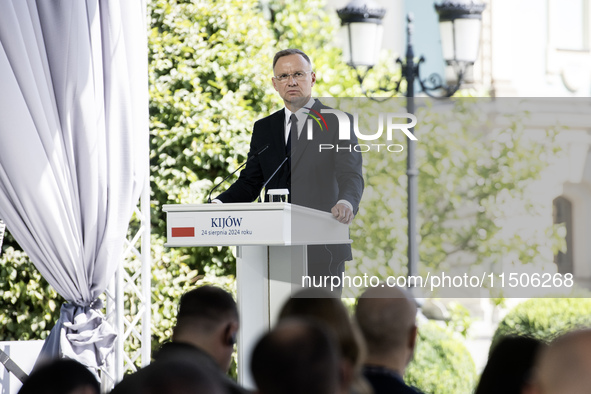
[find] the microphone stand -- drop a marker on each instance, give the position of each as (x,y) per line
(264,148)
(271,177)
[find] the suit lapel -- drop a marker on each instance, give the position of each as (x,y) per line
(278,137)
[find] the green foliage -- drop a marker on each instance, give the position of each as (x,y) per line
(545,318)
(441,363)
(171,278)
(460,318)
(29,307)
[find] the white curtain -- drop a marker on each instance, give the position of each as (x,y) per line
(73,149)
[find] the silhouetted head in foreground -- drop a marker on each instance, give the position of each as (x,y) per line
(323,307)
(171,377)
(510,366)
(565,366)
(296,357)
(61,377)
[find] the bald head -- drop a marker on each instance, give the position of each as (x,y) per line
(387,317)
(565,366)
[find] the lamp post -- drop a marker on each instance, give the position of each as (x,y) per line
(459,24)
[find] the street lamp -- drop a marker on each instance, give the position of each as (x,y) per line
(459,23)
(362,28)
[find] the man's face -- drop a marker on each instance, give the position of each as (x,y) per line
(294,91)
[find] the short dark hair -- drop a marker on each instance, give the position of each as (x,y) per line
(207,304)
(290,51)
(298,356)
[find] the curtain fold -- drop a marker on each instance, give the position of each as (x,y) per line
(73,149)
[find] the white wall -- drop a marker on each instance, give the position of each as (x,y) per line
(24,354)
(524,60)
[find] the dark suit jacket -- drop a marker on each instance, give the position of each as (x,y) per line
(181,357)
(174,351)
(384,381)
(317,178)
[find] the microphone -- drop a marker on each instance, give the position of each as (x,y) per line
(264,148)
(275,172)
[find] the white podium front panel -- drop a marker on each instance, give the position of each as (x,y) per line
(251,224)
(225,229)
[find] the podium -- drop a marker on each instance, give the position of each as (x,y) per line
(271,255)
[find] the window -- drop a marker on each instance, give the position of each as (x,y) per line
(568,25)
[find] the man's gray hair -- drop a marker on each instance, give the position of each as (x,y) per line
(290,51)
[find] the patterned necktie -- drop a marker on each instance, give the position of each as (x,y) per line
(293,130)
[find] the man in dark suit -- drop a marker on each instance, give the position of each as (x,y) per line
(205,333)
(317,176)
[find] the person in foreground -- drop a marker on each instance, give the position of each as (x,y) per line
(387,319)
(565,366)
(205,332)
(61,376)
(510,365)
(327,180)
(172,377)
(318,305)
(297,357)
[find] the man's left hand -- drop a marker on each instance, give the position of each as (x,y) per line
(342,213)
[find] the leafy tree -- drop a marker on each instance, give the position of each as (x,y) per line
(544,318)
(29,305)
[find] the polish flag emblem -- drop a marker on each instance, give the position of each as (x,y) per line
(183,232)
